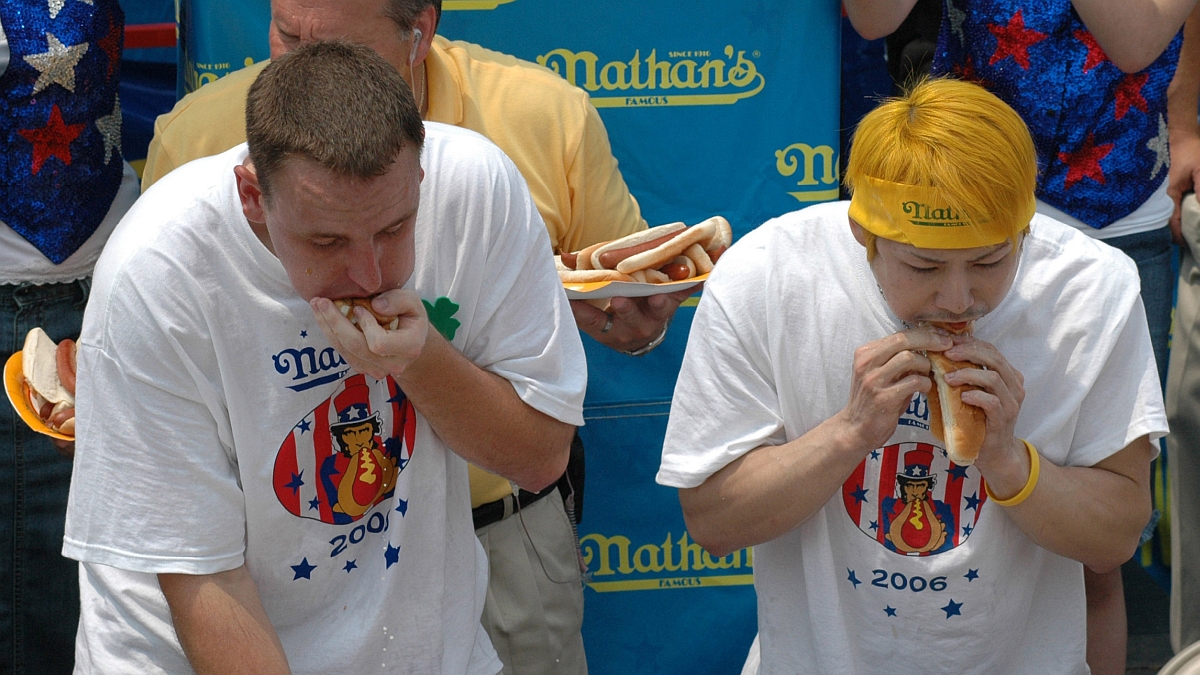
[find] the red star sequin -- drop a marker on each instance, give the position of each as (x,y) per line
(1014,40)
(1085,162)
(966,71)
(1129,93)
(52,140)
(1096,54)
(111,44)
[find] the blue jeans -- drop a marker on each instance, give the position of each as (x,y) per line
(39,588)
(1152,252)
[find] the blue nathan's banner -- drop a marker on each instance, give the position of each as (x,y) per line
(712,108)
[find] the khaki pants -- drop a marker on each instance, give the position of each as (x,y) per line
(1183,444)
(534,607)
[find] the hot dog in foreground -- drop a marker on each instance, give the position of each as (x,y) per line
(49,372)
(959,425)
(346,307)
(660,254)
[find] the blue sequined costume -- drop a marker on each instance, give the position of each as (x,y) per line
(1101,134)
(60,120)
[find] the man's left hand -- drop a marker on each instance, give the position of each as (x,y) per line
(1000,393)
(373,350)
(635,321)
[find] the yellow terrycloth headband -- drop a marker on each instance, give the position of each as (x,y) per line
(921,216)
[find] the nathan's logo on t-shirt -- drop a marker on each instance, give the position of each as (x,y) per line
(917,413)
(348,454)
(931,216)
(912,500)
(308,368)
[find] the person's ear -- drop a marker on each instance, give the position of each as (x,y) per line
(860,235)
(250,193)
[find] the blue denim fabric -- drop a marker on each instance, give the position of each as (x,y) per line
(39,588)
(1152,251)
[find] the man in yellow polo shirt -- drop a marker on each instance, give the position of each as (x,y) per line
(556,138)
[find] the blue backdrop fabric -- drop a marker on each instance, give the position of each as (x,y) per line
(712,108)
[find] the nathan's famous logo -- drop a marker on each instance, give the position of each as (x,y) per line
(912,500)
(812,162)
(197,74)
(309,368)
(448,5)
(615,565)
(928,216)
(348,454)
(680,78)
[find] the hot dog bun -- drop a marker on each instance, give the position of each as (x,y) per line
(346,307)
(40,360)
(588,276)
(961,426)
(630,241)
(668,251)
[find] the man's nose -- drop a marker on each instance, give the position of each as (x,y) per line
(364,269)
(955,295)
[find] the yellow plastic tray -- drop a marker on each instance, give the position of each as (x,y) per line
(18,396)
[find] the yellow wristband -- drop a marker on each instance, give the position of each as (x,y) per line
(1035,467)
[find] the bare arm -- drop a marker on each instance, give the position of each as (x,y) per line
(477,413)
(771,490)
(1090,514)
(222,625)
(1133,33)
(874,19)
(1182,98)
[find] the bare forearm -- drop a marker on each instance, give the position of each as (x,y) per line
(874,19)
(1133,33)
(481,417)
(221,624)
(1090,514)
(1183,95)
(769,491)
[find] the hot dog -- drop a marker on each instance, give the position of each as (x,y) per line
(49,372)
(660,254)
(346,307)
(960,425)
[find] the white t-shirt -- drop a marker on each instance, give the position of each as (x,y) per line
(770,357)
(1152,214)
(209,413)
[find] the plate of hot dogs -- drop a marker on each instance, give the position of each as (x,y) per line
(40,383)
(658,260)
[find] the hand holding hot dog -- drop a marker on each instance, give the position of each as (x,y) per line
(885,375)
(635,321)
(999,392)
(368,347)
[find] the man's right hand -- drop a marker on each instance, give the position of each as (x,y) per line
(886,374)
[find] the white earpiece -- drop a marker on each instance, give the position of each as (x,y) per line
(416,42)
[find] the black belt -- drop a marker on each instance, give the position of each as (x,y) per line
(570,486)
(494,512)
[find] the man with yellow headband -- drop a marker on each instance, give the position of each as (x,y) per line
(804,396)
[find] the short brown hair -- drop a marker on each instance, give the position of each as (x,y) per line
(405,12)
(338,104)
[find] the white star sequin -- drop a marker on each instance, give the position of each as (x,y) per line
(110,129)
(57,5)
(56,65)
(956,16)
(1159,146)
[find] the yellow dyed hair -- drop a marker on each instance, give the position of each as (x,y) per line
(955,136)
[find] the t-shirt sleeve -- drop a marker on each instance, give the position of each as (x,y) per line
(155,486)
(523,329)
(1125,402)
(602,208)
(725,403)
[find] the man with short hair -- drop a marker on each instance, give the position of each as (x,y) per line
(793,417)
(556,138)
(217,376)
